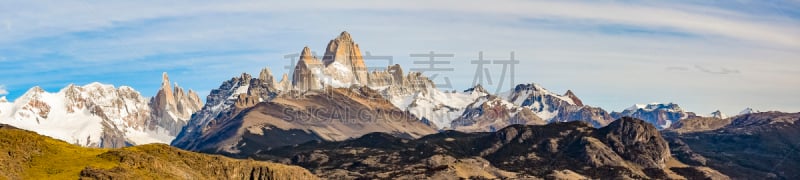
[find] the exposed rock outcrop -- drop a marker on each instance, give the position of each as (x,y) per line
(636,141)
(718,114)
(574,98)
(266,77)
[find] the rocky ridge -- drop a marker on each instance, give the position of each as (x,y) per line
(626,148)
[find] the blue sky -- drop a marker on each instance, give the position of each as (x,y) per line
(703,55)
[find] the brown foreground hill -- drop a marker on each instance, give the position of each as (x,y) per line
(27,155)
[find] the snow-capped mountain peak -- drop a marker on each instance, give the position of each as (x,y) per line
(522,93)
(655,106)
(660,114)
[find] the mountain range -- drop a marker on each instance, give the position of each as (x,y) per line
(100,115)
(328,92)
(339,120)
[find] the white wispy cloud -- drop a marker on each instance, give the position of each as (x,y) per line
(79,16)
(3,90)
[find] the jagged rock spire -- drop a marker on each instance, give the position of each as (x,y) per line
(345,36)
(285,84)
(165,97)
(194,98)
(266,76)
(304,77)
(344,51)
(306,53)
(172,106)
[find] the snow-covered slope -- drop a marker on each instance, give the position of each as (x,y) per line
(543,102)
(5,107)
(79,115)
(435,106)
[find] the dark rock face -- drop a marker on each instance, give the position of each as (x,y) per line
(574,98)
(751,146)
(627,148)
(636,142)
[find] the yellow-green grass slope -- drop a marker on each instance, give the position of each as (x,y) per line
(27,155)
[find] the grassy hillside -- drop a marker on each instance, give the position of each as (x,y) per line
(27,155)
